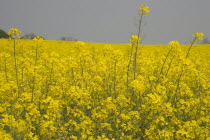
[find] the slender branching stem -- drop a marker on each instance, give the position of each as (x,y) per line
(180,75)
(169,65)
(5,68)
(161,71)
(16,68)
(137,45)
(129,63)
(188,52)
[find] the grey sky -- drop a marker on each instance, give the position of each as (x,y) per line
(110,21)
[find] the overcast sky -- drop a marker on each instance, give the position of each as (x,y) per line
(109,21)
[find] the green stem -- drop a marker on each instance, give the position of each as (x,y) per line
(135,55)
(5,68)
(165,60)
(170,65)
(190,48)
(129,63)
(16,68)
(179,78)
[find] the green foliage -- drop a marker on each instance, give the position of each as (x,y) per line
(3,34)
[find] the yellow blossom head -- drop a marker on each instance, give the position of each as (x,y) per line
(175,46)
(174,43)
(38,39)
(14,33)
(135,39)
(80,43)
(199,36)
(144,10)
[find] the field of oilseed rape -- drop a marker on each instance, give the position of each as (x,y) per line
(58,90)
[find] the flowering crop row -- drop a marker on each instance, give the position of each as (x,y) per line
(77,90)
(84,92)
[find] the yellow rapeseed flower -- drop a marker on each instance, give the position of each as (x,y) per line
(174,44)
(198,35)
(14,33)
(38,39)
(135,39)
(144,10)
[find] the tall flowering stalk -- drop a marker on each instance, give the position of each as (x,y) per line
(14,34)
(197,38)
(173,44)
(133,40)
(143,11)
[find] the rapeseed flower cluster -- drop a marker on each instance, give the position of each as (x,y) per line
(80,91)
(38,39)
(135,39)
(14,33)
(144,10)
(198,35)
